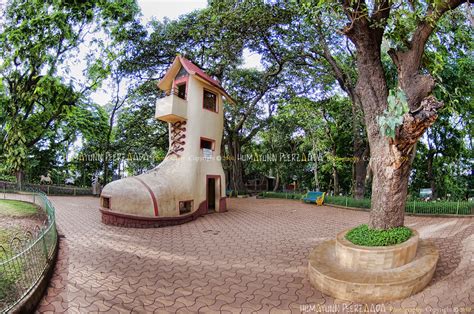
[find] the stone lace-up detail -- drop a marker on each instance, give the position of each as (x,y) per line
(178,130)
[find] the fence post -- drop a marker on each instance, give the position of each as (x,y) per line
(414,206)
(47,189)
(45,248)
(74,191)
(346,201)
(457,208)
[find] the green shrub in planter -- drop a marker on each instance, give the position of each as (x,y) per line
(363,235)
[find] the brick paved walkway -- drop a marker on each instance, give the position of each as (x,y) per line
(252,258)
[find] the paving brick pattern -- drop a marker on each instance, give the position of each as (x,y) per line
(252,258)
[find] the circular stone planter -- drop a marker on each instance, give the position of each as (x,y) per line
(369,275)
(375,257)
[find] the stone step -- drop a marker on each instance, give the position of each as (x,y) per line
(331,278)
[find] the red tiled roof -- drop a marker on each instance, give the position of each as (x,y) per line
(194,69)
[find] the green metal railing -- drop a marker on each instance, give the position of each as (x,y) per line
(6,187)
(412,206)
(418,207)
(26,259)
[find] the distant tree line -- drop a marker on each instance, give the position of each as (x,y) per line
(307,98)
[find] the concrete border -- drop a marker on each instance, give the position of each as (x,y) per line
(372,258)
(370,286)
(132,221)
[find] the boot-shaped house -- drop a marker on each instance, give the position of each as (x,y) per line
(190,181)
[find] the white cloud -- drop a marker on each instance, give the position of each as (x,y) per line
(171,9)
(252,60)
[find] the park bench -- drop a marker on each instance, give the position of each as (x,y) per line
(314,197)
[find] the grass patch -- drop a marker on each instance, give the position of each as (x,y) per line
(17,208)
(363,235)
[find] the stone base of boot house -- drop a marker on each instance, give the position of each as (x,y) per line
(372,274)
(132,221)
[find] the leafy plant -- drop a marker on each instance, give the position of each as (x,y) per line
(8,178)
(393,117)
(363,235)
(15,150)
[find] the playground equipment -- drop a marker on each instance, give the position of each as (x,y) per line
(314,197)
(190,181)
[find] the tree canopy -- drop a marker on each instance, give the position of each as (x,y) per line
(372,96)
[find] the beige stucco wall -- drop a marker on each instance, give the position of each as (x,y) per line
(177,179)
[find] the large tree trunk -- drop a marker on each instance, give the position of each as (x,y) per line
(315,165)
(391,161)
(19,179)
(360,147)
(236,170)
(277,181)
(431,176)
(389,184)
(335,181)
(361,154)
(107,147)
(390,171)
(335,174)
(391,158)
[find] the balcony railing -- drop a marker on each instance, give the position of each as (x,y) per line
(172,107)
(175,91)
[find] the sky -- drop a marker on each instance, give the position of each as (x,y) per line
(168,8)
(172,9)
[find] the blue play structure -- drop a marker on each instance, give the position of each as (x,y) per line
(314,197)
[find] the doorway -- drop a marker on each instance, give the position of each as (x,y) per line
(211,195)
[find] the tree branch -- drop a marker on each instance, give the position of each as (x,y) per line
(415,124)
(415,85)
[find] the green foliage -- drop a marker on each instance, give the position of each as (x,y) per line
(348,201)
(8,178)
(444,159)
(38,43)
(316,133)
(141,139)
(15,149)
(393,116)
(291,195)
(364,236)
